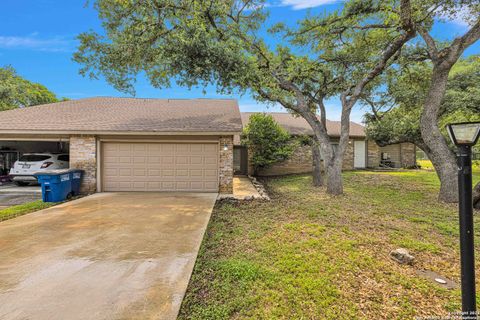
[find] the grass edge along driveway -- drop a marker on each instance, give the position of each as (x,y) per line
(21,209)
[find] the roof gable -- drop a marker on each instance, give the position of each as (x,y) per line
(107,114)
(298,125)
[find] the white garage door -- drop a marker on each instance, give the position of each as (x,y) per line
(160,166)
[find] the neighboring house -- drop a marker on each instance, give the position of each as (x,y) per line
(361,153)
(127,144)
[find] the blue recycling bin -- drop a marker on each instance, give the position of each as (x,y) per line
(76,178)
(56,185)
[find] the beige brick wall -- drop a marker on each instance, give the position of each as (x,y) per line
(402,155)
(83,155)
(226,165)
(408,156)
(348,156)
(299,162)
(393,151)
(373,154)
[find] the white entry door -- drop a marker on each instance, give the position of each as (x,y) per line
(359,160)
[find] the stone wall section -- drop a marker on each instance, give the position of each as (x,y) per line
(348,157)
(300,161)
(226,165)
(373,154)
(83,155)
(408,155)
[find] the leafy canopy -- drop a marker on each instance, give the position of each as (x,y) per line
(407,89)
(17,92)
(224,43)
(266,140)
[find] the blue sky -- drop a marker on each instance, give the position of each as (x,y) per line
(37,38)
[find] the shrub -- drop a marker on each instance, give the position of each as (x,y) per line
(267,142)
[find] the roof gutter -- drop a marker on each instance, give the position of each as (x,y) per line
(123,133)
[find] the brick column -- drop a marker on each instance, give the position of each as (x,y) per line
(408,156)
(348,156)
(83,155)
(373,154)
(226,165)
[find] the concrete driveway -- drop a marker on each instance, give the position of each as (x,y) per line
(106,256)
(11,195)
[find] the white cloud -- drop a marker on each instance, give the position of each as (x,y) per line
(304,4)
(33,42)
(463,16)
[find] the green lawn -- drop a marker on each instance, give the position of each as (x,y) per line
(306,255)
(427,165)
(22,209)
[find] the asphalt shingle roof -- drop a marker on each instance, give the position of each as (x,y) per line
(297,125)
(108,114)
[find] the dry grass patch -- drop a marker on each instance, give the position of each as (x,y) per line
(306,255)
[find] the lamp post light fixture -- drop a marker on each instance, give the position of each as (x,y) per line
(465,135)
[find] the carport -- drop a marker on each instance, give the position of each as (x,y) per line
(127,144)
(12,148)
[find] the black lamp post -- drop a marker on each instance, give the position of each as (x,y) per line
(464,136)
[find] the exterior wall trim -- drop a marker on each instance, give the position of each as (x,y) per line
(99,166)
(156,141)
(125,133)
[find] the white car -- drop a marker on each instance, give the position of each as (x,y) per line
(23,170)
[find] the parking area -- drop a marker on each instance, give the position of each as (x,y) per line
(12,195)
(105,256)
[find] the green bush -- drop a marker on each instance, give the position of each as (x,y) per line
(267,142)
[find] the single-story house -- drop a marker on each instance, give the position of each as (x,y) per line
(129,144)
(132,144)
(360,154)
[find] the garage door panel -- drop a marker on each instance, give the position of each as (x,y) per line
(211,160)
(139,172)
(196,160)
(168,185)
(125,159)
(210,185)
(182,159)
(196,173)
(210,148)
(160,167)
(124,147)
(168,160)
(168,173)
(125,172)
(197,148)
(139,185)
(167,148)
(141,160)
(197,185)
(154,148)
(182,149)
(154,172)
(211,173)
(157,160)
(181,173)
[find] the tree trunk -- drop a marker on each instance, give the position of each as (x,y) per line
(443,159)
(317,165)
(476,196)
(334,176)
